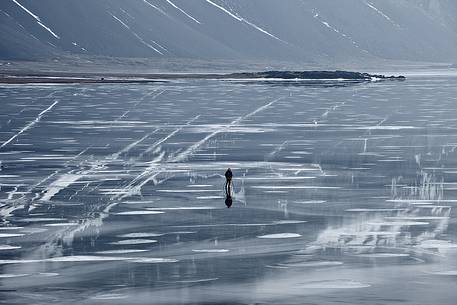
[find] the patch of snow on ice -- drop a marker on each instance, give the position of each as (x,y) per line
(28,126)
(280,235)
(211,251)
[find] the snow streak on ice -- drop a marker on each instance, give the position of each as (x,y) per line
(30,125)
(38,20)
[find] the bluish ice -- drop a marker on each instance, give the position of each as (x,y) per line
(343,192)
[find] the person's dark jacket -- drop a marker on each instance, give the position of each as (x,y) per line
(228,174)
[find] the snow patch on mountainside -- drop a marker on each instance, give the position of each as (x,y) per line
(241,19)
(138,36)
(370,5)
(156,8)
(334,29)
(182,11)
(38,20)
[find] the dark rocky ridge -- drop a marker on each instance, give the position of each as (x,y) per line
(312,75)
(68,77)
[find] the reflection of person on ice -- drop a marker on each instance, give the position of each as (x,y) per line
(228,188)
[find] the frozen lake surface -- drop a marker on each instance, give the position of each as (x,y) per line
(344,193)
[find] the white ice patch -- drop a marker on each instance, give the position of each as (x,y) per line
(18,261)
(418,217)
(83,258)
(66,224)
(55,187)
(9,235)
(447,273)
(280,178)
(313,264)
(291,187)
(8,276)
(398,223)
(385,127)
(334,284)
(123,251)
(419,201)
(151,260)
(370,233)
(181,232)
(8,247)
(187,191)
(38,20)
(210,250)
(48,274)
(140,235)
(279,235)
(110,296)
(40,219)
(88,258)
(383,255)
(133,242)
(375,210)
(139,213)
(288,222)
(183,208)
(437,244)
(311,201)
(197,281)
(34,230)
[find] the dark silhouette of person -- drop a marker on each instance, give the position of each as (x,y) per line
(228,188)
(228,178)
(228,201)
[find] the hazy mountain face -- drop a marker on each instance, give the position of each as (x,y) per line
(291,30)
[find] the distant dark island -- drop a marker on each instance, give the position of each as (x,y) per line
(312,75)
(92,77)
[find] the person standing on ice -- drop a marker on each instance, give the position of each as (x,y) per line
(228,188)
(228,179)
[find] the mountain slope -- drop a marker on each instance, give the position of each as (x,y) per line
(292,30)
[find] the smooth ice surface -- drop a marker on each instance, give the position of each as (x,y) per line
(342,192)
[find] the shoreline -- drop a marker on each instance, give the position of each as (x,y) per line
(126,78)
